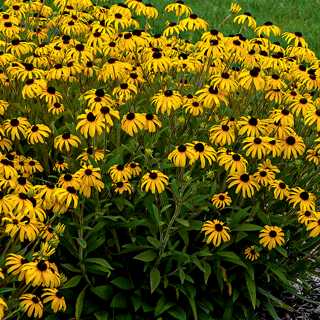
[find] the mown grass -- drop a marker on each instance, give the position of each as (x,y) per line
(289,15)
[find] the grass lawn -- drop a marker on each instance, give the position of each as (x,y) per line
(289,15)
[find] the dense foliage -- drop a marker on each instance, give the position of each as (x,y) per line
(152,167)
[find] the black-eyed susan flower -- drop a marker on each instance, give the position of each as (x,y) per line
(216,232)
(21,226)
(312,117)
(56,108)
(271,237)
(264,177)
(267,29)
(3,307)
(91,152)
(167,101)
(41,273)
(66,141)
(120,172)
(224,81)
(295,38)
(222,134)
(16,128)
(68,180)
(150,11)
(38,133)
(3,107)
(132,122)
(158,62)
(301,198)
(211,97)
(179,8)
(252,78)
(312,156)
(89,177)
(251,253)
(232,162)
(235,8)
(292,146)
(246,18)
(31,305)
(193,107)
(194,22)
(68,196)
(154,181)
(221,200)
(314,225)
(304,217)
(181,154)
(245,184)
(280,190)
(151,122)
(56,299)
(251,126)
(302,105)
(173,28)
(135,169)
(50,95)
(203,152)
(256,147)
(14,264)
(121,187)
(125,92)
(89,124)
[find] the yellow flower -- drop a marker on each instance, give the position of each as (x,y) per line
(271,236)
(154,181)
(220,200)
(132,122)
(216,232)
(32,305)
(251,253)
(181,154)
(56,298)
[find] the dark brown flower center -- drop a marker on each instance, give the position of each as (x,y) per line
(244,177)
(304,195)
(290,140)
(272,234)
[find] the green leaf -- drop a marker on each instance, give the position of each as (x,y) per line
(206,271)
(122,283)
(247,227)
(178,313)
(136,301)
(230,256)
(162,306)
(101,315)
(251,286)
(82,243)
(280,274)
(155,278)
(271,310)
(154,242)
(183,222)
(275,301)
(146,256)
(103,292)
(119,301)
(70,267)
(79,303)
(238,215)
(100,264)
(282,251)
(73,282)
